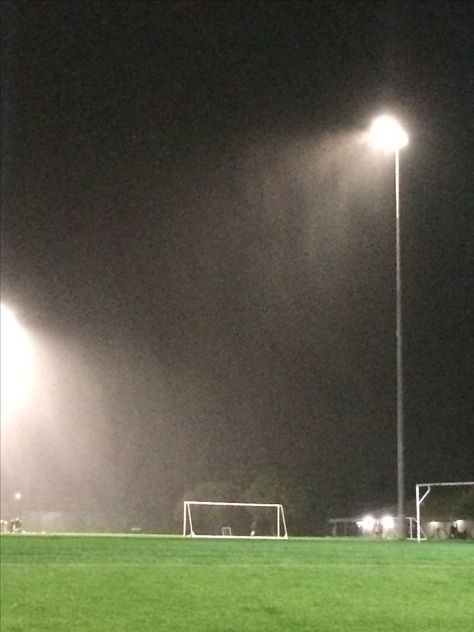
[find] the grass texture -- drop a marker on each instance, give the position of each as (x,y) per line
(123,584)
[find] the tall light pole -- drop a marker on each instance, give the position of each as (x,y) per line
(388,134)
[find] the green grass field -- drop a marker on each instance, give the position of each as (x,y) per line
(56,584)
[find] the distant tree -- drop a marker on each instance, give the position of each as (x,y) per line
(464,507)
(267,487)
(226,491)
(450,503)
(210,520)
(271,486)
(303,513)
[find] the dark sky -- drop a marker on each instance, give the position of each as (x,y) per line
(189,223)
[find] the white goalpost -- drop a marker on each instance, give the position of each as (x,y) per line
(422,491)
(255,520)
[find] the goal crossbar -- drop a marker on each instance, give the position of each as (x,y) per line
(281,529)
(427,488)
(209,502)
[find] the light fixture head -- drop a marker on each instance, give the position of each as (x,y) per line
(387,133)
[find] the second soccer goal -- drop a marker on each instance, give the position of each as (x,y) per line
(215,519)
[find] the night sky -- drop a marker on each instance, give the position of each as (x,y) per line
(193,232)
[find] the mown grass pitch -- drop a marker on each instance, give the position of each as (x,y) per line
(93,584)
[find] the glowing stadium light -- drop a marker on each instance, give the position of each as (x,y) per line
(387,133)
(16,362)
(388,522)
(18,496)
(368,523)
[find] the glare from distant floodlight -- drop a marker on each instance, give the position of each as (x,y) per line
(388,522)
(18,496)
(368,523)
(387,133)
(16,362)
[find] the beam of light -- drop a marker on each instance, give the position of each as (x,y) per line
(16,363)
(387,133)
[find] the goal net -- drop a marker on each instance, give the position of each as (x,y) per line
(445,510)
(213,519)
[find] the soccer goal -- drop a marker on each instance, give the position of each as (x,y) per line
(442,522)
(214,519)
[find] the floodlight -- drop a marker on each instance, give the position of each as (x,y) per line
(388,522)
(368,523)
(387,133)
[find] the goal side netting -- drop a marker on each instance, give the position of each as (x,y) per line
(450,512)
(216,519)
